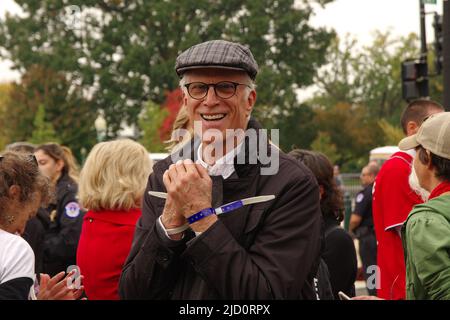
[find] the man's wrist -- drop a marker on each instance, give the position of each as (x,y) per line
(204,224)
(165,231)
(169,221)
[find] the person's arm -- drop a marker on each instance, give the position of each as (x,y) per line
(362,204)
(277,264)
(63,244)
(355,221)
(17,274)
(428,244)
(150,270)
(16,289)
(397,197)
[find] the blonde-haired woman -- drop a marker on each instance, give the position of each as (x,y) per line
(111,187)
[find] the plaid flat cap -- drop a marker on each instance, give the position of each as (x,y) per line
(217,54)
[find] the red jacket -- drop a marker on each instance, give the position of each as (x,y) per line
(104,245)
(392,201)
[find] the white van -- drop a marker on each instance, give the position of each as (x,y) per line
(381,154)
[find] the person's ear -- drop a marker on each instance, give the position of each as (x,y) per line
(184,97)
(59,165)
(251,99)
(14,192)
(411,128)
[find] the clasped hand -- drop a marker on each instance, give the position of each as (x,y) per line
(189,189)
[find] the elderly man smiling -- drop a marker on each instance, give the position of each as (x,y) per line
(192,246)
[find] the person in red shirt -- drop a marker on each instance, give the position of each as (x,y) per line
(112,185)
(393,199)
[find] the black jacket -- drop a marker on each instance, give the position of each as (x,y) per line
(263,251)
(340,256)
(63,227)
(34,234)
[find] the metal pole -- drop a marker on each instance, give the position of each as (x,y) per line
(446,54)
(423,36)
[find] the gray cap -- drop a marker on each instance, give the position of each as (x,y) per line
(217,54)
(433,135)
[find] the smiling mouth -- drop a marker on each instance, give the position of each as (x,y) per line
(213,117)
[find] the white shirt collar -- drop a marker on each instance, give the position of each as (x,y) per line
(224,166)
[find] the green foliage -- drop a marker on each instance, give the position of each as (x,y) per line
(150,122)
(297,128)
(392,134)
(43,130)
(368,76)
(5,89)
(71,116)
(359,101)
(323,144)
(350,130)
(123,52)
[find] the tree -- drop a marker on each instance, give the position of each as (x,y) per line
(323,144)
(172,105)
(71,116)
(43,130)
(297,128)
(5,89)
(367,76)
(350,131)
(392,134)
(150,121)
(122,53)
(359,100)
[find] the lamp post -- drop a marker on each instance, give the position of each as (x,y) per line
(100,127)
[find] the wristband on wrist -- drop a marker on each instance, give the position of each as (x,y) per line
(200,215)
(177,230)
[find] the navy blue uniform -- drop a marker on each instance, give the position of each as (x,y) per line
(365,231)
(63,228)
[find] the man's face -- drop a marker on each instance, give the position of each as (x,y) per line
(214,112)
(366,177)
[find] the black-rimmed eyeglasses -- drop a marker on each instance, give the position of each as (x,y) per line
(223,89)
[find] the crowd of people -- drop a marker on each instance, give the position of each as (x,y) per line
(208,222)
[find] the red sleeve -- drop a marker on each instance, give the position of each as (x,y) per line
(397,198)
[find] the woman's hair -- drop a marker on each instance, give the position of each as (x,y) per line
(58,152)
(181,122)
(331,202)
(21,146)
(442,165)
(21,170)
(114,176)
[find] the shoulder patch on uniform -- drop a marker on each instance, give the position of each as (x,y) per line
(72,209)
(359,197)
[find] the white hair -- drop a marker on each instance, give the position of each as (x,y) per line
(413,181)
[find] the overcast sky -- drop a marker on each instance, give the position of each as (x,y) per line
(356,17)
